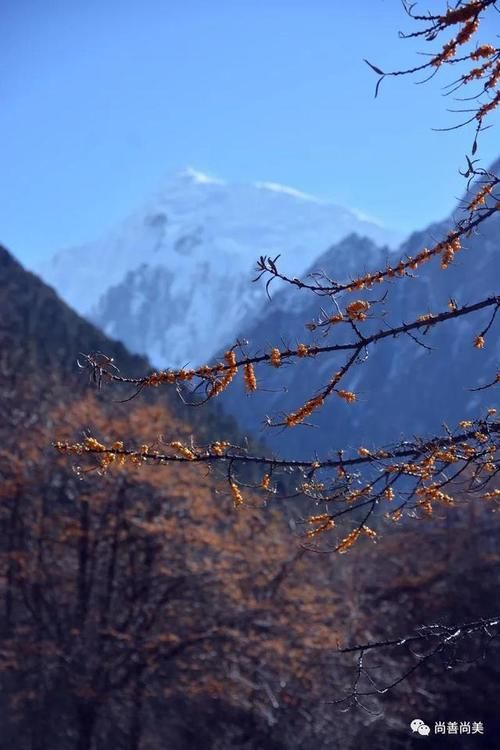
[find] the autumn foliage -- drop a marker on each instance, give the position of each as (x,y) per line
(166,584)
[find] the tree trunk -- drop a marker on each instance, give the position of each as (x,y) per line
(136,722)
(86,717)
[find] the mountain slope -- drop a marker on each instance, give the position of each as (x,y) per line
(40,329)
(40,341)
(173,281)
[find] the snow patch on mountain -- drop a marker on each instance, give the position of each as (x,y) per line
(201,178)
(278,188)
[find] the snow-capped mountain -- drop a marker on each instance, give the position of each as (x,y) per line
(174,280)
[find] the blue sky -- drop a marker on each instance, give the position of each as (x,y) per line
(103,100)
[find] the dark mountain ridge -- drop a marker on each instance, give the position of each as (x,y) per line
(41,338)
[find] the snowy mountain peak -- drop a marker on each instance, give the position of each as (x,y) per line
(173,281)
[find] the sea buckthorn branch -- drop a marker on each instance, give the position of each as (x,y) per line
(219,376)
(468,17)
(464,12)
(355,312)
(421,484)
(299,416)
(436,640)
(490,384)
(424,631)
(325,522)
(224,451)
(316,402)
(488,74)
(446,249)
(415,470)
(487,328)
(480,186)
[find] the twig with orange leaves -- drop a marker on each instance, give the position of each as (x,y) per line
(217,377)
(410,477)
(468,17)
(446,250)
